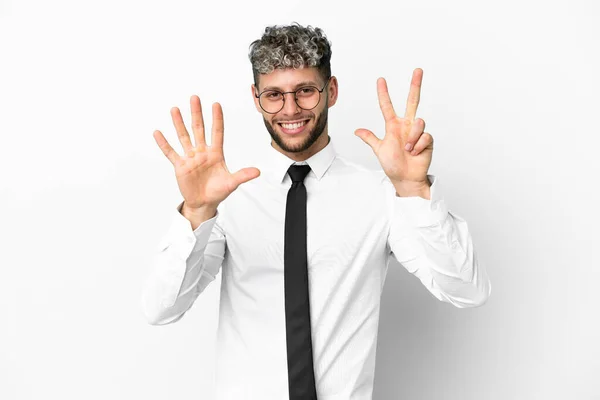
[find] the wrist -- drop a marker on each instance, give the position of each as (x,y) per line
(200,214)
(413,189)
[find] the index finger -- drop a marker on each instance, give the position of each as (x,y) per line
(414,94)
(385,103)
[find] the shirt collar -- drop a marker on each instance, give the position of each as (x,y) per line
(276,164)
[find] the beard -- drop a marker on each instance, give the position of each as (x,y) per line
(310,139)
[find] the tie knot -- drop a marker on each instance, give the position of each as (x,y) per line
(298,172)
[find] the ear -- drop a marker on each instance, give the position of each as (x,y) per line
(254,91)
(332,91)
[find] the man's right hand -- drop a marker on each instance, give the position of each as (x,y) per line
(202,176)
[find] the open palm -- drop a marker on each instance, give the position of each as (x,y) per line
(202,175)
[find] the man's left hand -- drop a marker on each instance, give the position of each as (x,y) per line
(405,168)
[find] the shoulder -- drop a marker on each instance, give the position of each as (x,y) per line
(343,166)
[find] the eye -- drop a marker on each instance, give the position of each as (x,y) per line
(272,95)
(306,91)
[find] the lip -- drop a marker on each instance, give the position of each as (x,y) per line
(294,131)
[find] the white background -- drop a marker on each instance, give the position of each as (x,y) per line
(510,92)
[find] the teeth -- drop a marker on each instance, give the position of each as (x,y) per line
(294,126)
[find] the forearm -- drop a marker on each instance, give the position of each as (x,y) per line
(435,245)
(185,263)
(448,264)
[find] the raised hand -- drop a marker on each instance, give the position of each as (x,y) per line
(202,176)
(402,164)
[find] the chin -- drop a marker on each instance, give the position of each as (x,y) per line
(304,140)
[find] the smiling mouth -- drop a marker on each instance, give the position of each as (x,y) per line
(292,126)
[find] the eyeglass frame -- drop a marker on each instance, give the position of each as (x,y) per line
(295,97)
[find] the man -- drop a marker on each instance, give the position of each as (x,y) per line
(303,245)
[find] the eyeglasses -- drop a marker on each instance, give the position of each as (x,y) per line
(306,97)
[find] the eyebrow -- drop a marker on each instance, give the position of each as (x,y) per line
(303,83)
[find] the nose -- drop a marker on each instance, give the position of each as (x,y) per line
(289,106)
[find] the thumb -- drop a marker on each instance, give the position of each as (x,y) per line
(368,137)
(245,174)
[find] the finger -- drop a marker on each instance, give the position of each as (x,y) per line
(385,103)
(369,138)
(197,121)
(414,94)
(182,133)
(166,147)
(218,126)
(244,175)
(425,140)
(417,128)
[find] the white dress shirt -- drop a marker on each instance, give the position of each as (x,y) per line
(355,223)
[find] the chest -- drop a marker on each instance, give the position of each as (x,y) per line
(341,225)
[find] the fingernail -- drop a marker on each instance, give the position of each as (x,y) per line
(408,147)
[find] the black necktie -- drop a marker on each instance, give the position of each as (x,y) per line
(301,376)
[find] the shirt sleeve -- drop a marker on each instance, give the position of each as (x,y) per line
(434,244)
(184,263)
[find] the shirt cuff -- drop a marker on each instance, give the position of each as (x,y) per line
(419,212)
(182,238)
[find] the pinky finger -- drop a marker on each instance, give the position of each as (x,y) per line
(166,147)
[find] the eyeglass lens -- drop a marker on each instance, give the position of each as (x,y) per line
(272,101)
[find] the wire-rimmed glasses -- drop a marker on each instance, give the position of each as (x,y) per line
(306,97)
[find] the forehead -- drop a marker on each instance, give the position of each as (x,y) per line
(289,78)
